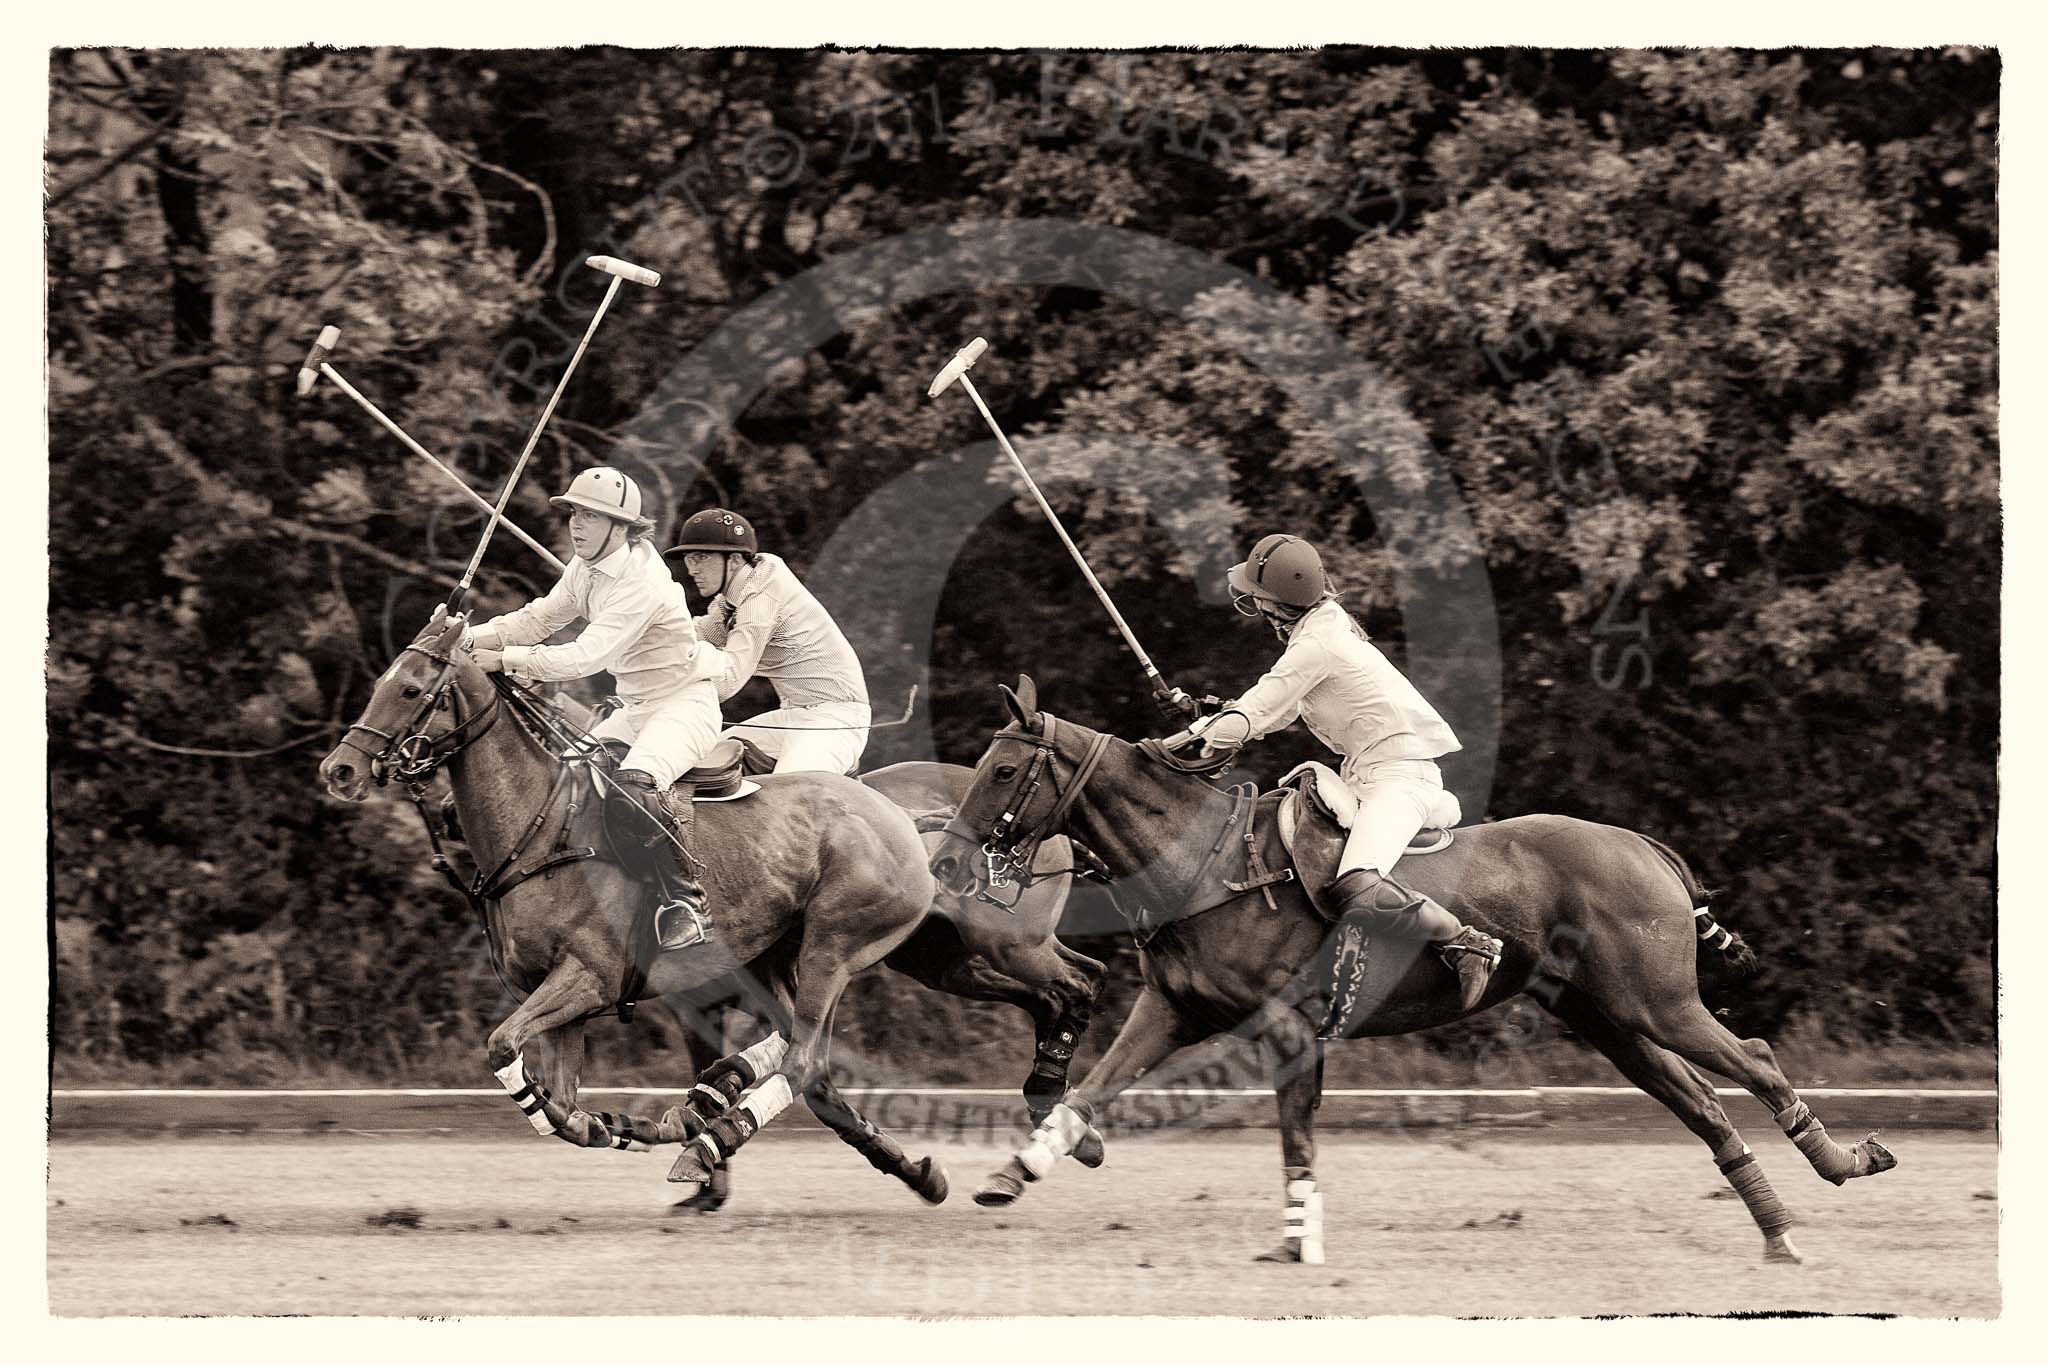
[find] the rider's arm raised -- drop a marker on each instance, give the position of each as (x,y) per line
(1274,701)
(628,607)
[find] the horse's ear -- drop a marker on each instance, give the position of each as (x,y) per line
(1023,702)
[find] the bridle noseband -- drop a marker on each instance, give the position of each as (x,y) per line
(1010,846)
(411,755)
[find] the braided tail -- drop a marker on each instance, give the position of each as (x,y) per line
(1736,954)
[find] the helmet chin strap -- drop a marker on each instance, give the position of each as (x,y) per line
(605,546)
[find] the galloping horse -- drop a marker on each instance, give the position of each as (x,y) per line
(1224,955)
(816,877)
(1004,951)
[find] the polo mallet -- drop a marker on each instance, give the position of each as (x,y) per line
(618,270)
(316,365)
(1171,701)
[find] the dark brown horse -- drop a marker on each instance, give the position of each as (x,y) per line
(815,877)
(1625,905)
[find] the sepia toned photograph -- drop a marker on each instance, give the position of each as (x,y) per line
(796,682)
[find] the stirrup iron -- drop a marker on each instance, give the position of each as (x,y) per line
(666,934)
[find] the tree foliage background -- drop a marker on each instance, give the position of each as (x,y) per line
(1706,341)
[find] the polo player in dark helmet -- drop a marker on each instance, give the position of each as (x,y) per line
(1331,678)
(761,620)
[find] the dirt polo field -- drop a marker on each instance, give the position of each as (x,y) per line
(455,1220)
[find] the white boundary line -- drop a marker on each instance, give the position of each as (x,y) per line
(1527,1092)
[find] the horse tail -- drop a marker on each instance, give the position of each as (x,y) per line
(1735,953)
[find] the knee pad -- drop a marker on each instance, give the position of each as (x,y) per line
(1376,901)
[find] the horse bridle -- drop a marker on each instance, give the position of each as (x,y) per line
(1011,845)
(411,755)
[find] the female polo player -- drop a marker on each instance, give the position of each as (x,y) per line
(1359,705)
(761,620)
(638,628)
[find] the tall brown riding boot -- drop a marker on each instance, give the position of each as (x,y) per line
(680,920)
(1390,908)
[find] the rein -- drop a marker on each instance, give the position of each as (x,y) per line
(1009,850)
(1010,846)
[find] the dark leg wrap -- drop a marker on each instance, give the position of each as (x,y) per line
(727,1133)
(1048,1078)
(708,1100)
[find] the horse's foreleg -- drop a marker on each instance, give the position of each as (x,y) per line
(1694,1034)
(568,992)
(1154,1032)
(925,1177)
(820,976)
(1289,1043)
(1673,1083)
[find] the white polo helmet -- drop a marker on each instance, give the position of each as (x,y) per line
(603,490)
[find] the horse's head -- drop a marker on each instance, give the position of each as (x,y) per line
(1023,788)
(409,709)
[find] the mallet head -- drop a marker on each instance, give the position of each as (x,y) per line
(957,366)
(625,270)
(309,373)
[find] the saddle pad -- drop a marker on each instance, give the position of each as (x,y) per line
(717,778)
(1331,795)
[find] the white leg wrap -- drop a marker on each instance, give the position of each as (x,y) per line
(766,1055)
(1054,1138)
(767,1099)
(1304,1220)
(524,1093)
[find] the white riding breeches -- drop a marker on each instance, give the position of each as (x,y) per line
(671,732)
(834,746)
(1397,799)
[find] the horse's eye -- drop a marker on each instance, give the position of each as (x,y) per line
(410,691)
(1005,772)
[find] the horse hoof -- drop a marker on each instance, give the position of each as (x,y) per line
(1287,1252)
(931,1183)
(1780,1251)
(691,1168)
(1877,1156)
(707,1198)
(1089,1150)
(999,1189)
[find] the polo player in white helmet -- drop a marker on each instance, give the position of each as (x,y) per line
(639,629)
(1357,703)
(761,620)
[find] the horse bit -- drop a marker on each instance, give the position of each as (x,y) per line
(1008,850)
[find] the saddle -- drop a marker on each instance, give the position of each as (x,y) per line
(722,776)
(1314,818)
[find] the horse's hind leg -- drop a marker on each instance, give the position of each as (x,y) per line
(1688,1029)
(925,1177)
(1672,1082)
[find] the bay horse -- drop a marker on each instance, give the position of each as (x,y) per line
(814,877)
(1222,959)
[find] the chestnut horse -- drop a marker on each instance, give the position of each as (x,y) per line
(1627,905)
